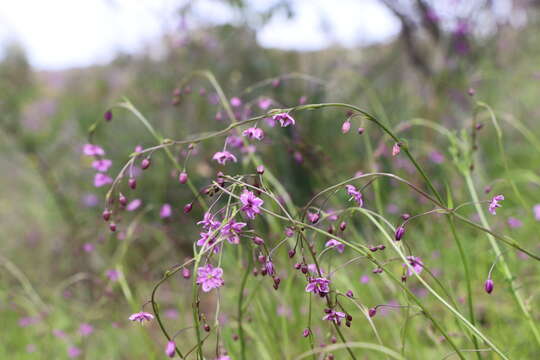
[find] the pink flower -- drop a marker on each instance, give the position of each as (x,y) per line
(254,133)
(494,204)
(264,103)
(334,316)
(355,194)
(166,211)
(102,180)
(223,156)
(223,357)
(141,317)
(102,164)
(113,275)
(231,230)
(346,127)
(74,352)
(284,119)
(318,286)
(396,149)
(88,247)
(209,277)
(93,150)
(313,217)
(85,329)
(436,157)
(536,210)
(133,205)
(416,264)
(338,245)
(170,349)
(514,222)
(251,204)
(234,141)
(236,102)
(302,100)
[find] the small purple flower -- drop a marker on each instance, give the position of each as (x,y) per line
(251,204)
(318,286)
(74,352)
(269,267)
(494,204)
(222,157)
(236,102)
(355,194)
(170,349)
(313,217)
(396,149)
(86,329)
(254,133)
(436,157)
(102,165)
(514,222)
(210,277)
(416,264)
(488,286)
(207,240)
(340,247)
(101,179)
(334,316)
(166,211)
(536,210)
(400,231)
(133,205)
(264,103)
(141,317)
(88,247)
(284,119)
(208,222)
(93,150)
(231,230)
(113,275)
(346,127)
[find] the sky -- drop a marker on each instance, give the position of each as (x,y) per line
(60,34)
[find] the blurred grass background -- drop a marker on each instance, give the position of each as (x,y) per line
(56,251)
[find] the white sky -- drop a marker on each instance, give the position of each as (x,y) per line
(59,34)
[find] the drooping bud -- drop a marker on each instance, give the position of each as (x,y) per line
(206,327)
(343,226)
(145,163)
(170,349)
(132,183)
(399,233)
(261,259)
(346,127)
(396,149)
(186,273)
(349,293)
(106,214)
(292,252)
(183,177)
(122,200)
(260,169)
(306,332)
(361,130)
(488,286)
(112,226)
(258,241)
(405,216)
(108,115)
(372,312)
(471,92)
(188,207)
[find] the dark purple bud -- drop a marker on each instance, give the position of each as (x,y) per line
(348,323)
(333,340)
(373,248)
(277,280)
(372,312)
(381,247)
(122,200)
(349,317)
(306,332)
(405,216)
(261,259)
(349,293)
(403,278)
(145,163)
(292,252)
(304,269)
(471,92)
(297,266)
(488,286)
(112,227)
(260,169)
(327,311)
(487,189)
(182,178)
(343,226)
(399,233)
(206,327)
(108,115)
(106,214)
(330,229)
(479,126)
(188,208)
(361,130)
(132,183)
(186,273)
(258,241)
(263,271)
(170,349)
(255,272)
(331,356)
(276,286)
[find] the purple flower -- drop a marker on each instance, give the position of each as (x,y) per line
(74,352)
(113,275)
(334,243)
(269,267)
(88,247)
(93,150)
(101,179)
(436,157)
(254,133)
(334,316)
(514,222)
(488,286)
(536,210)
(396,149)
(346,127)
(494,204)
(318,286)
(208,222)
(166,211)
(141,317)
(85,329)
(284,119)
(234,141)
(223,156)
(251,204)
(231,230)
(209,277)
(207,239)
(313,217)
(236,102)
(416,264)
(102,164)
(133,205)
(264,103)
(355,194)
(170,349)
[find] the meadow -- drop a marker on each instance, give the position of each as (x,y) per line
(227,201)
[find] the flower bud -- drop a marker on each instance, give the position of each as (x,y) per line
(206,327)
(186,273)
(108,115)
(106,214)
(361,130)
(292,252)
(343,226)
(188,207)
(260,169)
(306,332)
(122,200)
(112,226)
(145,163)
(170,349)
(399,233)
(183,177)
(349,293)
(258,241)
(346,127)
(405,216)
(132,183)
(471,92)
(372,312)
(488,286)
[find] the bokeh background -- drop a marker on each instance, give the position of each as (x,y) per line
(67,284)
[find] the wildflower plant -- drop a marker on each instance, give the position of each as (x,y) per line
(245,213)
